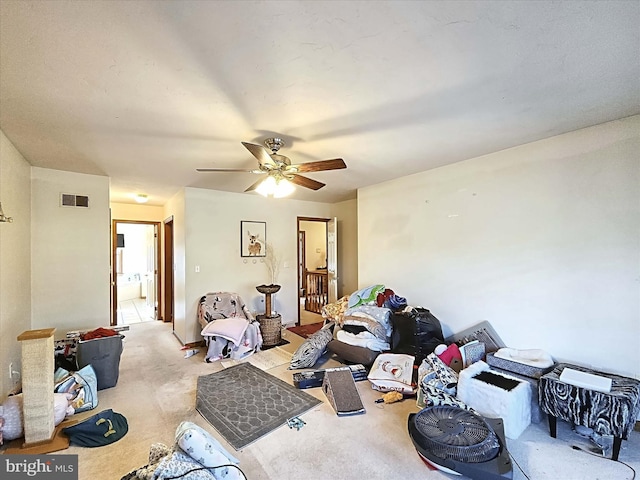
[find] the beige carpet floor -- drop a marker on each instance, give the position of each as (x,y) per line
(156,391)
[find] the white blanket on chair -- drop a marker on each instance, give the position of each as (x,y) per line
(230,328)
(240,337)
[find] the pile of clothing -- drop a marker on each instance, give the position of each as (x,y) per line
(363,326)
(370,321)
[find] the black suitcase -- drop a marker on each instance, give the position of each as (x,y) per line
(415,332)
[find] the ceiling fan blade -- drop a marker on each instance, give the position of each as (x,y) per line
(333,164)
(261,153)
(228,170)
(306,182)
(254,185)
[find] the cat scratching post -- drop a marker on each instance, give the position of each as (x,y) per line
(37,385)
(40,433)
(270,325)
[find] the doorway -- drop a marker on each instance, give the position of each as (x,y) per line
(316,267)
(136,288)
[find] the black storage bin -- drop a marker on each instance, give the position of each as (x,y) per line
(415,332)
(103,354)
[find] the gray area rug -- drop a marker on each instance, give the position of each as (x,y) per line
(243,403)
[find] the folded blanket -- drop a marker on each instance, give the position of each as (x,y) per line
(368,323)
(363,339)
(229,328)
(375,319)
(231,337)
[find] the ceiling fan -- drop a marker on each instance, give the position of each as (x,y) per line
(281,173)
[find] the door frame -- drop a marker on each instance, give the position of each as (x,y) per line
(114,266)
(168,257)
(302,263)
(307,219)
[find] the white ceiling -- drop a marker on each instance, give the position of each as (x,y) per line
(146,92)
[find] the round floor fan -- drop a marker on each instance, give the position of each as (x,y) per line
(461,442)
(280,167)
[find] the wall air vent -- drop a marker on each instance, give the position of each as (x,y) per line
(71,200)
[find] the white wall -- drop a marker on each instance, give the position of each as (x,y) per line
(542,240)
(175,208)
(347,214)
(70,252)
(128,211)
(136,246)
(315,244)
(15,260)
(213,243)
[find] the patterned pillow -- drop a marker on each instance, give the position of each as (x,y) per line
(334,311)
(205,449)
(446,375)
(311,349)
(430,395)
(180,465)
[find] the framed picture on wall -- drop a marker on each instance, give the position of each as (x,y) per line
(253,239)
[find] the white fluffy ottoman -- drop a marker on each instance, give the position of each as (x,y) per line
(490,400)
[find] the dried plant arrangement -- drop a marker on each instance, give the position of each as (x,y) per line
(272,261)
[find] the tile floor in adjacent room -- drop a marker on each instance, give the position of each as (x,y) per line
(134,311)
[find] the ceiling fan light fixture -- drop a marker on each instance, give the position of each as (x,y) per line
(267,186)
(275,187)
(284,188)
(282,175)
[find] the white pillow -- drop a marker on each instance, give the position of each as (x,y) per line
(206,450)
(533,357)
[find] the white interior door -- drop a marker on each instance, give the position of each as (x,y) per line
(332,259)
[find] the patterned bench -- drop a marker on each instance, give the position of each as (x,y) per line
(612,413)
